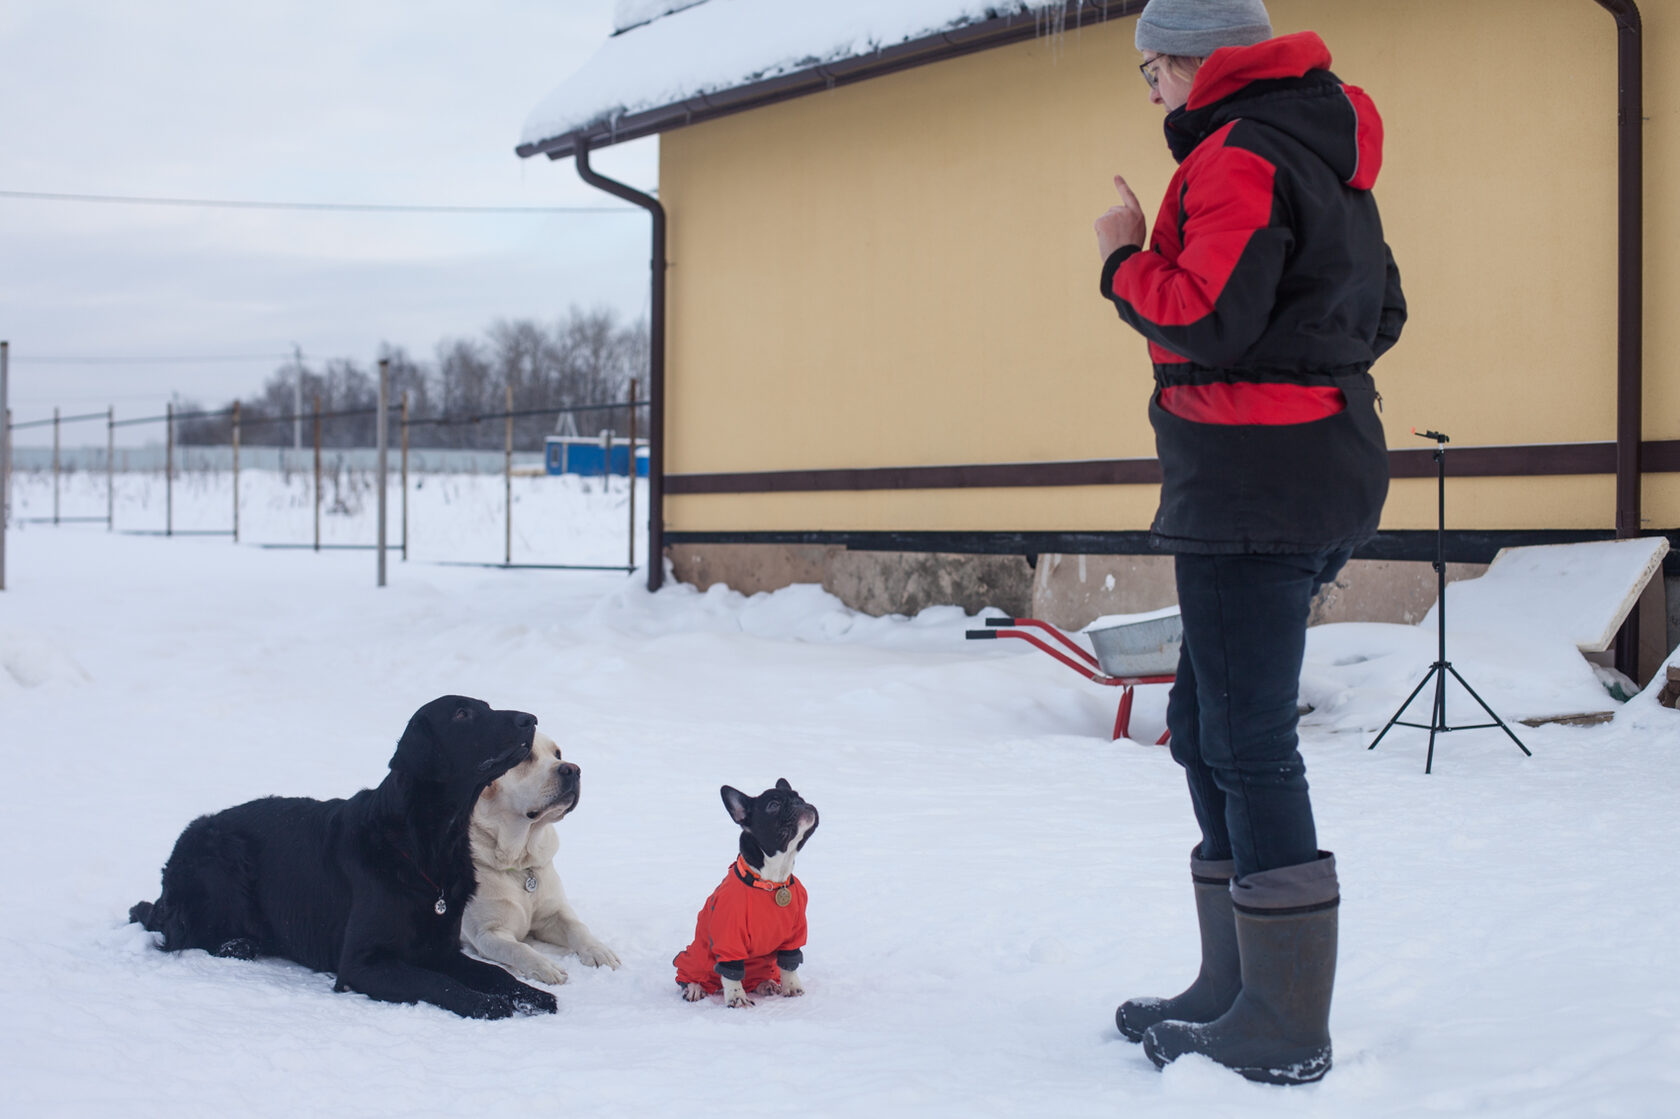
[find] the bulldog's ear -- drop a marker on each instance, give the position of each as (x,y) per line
(781,783)
(737,803)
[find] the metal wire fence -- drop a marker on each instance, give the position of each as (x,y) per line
(335,470)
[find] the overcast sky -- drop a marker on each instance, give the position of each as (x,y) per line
(367,101)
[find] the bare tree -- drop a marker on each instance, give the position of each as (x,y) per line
(584,358)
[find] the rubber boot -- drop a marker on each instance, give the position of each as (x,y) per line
(1278,1029)
(1217,984)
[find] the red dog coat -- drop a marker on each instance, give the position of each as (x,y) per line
(741,921)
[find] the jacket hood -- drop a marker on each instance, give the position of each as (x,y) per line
(1286,83)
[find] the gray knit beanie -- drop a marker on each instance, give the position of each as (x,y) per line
(1197,28)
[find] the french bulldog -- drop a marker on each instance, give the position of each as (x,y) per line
(750,932)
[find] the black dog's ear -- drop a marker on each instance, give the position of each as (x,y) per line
(737,803)
(417,748)
(781,783)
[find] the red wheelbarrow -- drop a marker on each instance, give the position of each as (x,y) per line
(1126,650)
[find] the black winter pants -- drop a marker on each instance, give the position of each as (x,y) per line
(1232,709)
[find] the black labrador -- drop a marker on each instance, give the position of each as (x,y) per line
(371,888)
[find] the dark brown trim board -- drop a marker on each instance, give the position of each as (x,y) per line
(1520,461)
(1460,546)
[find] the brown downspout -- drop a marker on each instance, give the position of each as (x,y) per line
(1630,294)
(656,364)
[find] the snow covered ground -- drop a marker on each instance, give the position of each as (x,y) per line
(992,875)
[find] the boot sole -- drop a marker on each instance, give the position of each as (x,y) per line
(1309,1070)
(1128,1032)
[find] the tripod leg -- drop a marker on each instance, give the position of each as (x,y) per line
(1489,710)
(1438,719)
(1403,707)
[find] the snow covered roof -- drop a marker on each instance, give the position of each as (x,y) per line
(674,62)
(634,13)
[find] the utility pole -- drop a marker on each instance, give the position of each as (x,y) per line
(383,441)
(297,397)
(5,458)
(507,479)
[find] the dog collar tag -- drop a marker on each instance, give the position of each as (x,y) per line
(530,881)
(784,897)
(441,907)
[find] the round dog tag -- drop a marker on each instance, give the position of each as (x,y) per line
(530,881)
(441,907)
(784,896)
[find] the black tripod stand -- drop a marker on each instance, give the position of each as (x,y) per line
(1442,666)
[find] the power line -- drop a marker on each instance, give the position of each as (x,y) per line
(346,207)
(104,398)
(111,359)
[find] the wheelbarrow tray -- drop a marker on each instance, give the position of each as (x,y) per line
(1137,644)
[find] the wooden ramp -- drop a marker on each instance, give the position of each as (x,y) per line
(1582,591)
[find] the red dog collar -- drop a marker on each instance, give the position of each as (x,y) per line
(757,881)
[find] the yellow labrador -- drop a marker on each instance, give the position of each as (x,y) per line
(519,898)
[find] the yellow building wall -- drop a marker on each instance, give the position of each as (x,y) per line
(902,272)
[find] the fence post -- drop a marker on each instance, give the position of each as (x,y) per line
(169,470)
(236,471)
(5,455)
(405,475)
(317,472)
(55,467)
(632,473)
(383,437)
(507,480)
(110,467)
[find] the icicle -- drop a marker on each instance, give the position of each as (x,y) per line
(1050,19)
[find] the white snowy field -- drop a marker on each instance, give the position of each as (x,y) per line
(991,877)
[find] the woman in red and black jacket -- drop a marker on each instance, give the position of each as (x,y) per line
(1265,293)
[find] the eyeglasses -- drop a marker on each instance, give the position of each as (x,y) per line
(1153,77)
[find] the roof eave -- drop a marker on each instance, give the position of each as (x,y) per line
(952,43)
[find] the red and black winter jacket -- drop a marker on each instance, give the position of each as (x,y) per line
(1266,293)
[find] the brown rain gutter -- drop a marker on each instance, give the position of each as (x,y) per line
(1630,293)
(656,364)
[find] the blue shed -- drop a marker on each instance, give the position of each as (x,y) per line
(576,454)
